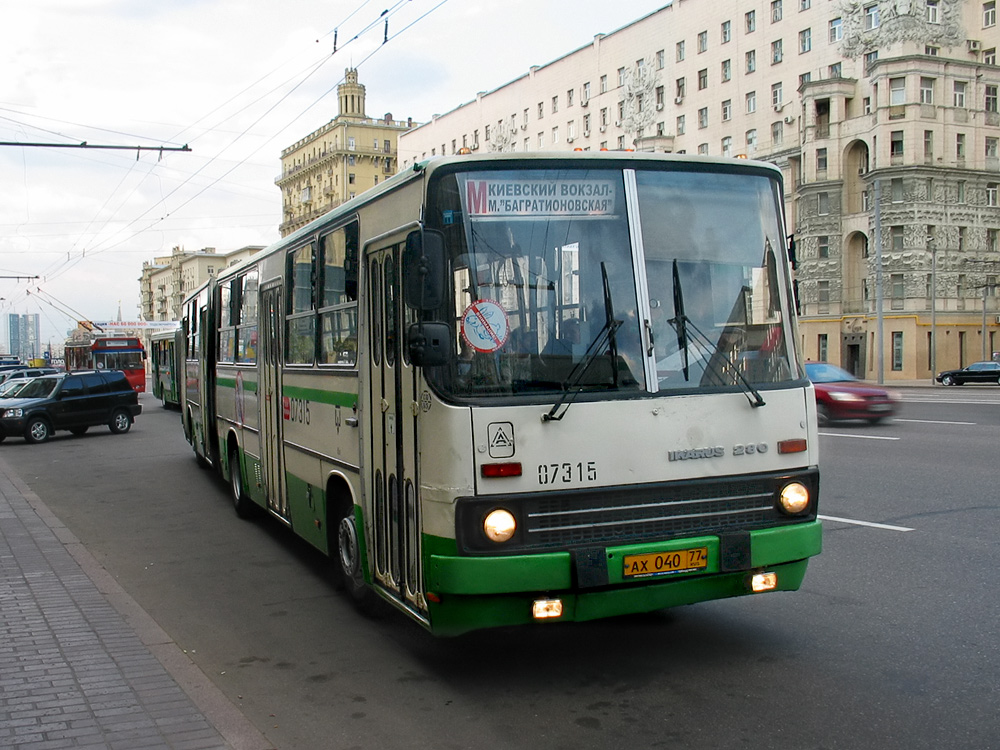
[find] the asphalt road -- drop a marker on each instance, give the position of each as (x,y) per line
(891,643)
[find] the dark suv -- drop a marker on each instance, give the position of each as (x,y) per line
(73,401)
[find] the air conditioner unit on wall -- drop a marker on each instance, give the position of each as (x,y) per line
(974,45)
(789,119)
(678,99)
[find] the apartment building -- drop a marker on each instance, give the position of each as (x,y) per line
(882,115)
(167,280)
(331,165)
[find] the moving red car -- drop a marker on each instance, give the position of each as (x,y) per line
(840,395)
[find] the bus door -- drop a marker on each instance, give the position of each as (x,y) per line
(269,359)
(391,399)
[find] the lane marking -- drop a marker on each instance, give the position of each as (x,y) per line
(862,437)
(885,526)
(931,421)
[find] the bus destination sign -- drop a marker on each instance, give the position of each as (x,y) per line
(511,197)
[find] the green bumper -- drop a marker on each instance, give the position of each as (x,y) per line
(468,593)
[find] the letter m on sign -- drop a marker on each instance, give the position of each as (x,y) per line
(475,196)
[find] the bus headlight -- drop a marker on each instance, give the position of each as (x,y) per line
(794,498)
(499,525)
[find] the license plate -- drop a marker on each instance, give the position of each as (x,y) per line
(880,407)
(665,563)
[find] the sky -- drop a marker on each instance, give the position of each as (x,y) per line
(234,80)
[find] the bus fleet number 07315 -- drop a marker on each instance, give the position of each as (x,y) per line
(567,472)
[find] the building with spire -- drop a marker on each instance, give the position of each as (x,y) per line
(345,157)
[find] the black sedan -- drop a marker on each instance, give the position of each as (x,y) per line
(977,372)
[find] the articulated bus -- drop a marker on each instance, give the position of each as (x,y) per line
(503,389)
(125,353)
(164,368)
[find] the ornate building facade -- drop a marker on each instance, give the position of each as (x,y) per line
(348,155)
(882,115)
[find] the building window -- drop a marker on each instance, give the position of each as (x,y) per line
(555,104)
(660,94)
(680,124)
(751,21)
(991,98)
(776,53)
(555,135)
(776,99)
(933,12)
(991,194)
(777,133)
(960,146)
(962,233)
(960,198)
(727,31)
(896,144)
(867,105)
(835,70)
(822,347)
(991,240)
(896,189)
(702,41)
(569,98)
(775,11)
(541,110)
(990,56)
(991,147)
(727,70)
(727,146)
(823,204)
(932,51)
(823,246)
(897,350)
(681,86)
(926,90)
(989,14)
(958,95)
(661,60)
(871,17)
(821,160)
(804,78)
(897,290)
(805,41)
(751,102)
(752,141)
(703,117)
(703,148)
(870,58)
(897,91)
(727,110)
(836,30)
(680,50)
(897,238)
(804,5)
(823,296)
(604,117)
(703,79)
(541,140)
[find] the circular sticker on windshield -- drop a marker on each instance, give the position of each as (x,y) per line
(485,326)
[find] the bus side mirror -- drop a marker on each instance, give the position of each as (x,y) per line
(424,270)
(429,344)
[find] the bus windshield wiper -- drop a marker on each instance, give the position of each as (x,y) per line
(685,328)
(606,336)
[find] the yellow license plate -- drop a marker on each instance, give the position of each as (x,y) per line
(664,563)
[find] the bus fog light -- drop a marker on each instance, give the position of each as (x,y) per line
(794,498)
(499,525)
(764,582)
(546,609)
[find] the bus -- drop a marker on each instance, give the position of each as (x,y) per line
(125,353)
(507,389)
(164,369)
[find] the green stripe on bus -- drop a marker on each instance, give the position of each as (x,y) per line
(248,385)
(334,398)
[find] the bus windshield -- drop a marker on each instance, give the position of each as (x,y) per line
(612,282)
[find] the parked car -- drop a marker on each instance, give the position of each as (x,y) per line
(26,373)
(74,402)
(977,372)
(9,388)
(840,395)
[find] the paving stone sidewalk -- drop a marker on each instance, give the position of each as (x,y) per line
(81,665)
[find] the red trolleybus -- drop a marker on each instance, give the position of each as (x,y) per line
(125,353)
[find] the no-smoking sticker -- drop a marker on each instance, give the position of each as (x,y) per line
(485,326)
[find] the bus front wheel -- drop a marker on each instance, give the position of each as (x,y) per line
(347,565)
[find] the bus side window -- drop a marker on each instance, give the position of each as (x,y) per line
(300,323)
(338,297)
(247,330)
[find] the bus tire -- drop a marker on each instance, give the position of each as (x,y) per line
(121,422)
(37,430)
(347,563)
(242,504)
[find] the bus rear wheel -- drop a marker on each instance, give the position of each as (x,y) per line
(347,565)
(242,504)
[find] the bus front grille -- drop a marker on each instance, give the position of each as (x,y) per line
(630,514)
